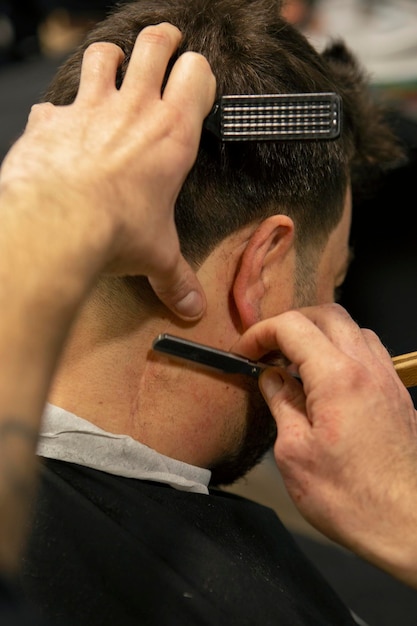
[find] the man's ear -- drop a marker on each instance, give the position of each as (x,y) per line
(266,255)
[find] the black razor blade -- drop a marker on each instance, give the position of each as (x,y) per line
(219,360)
(276,117)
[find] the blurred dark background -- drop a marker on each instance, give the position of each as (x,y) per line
(380,291)
(29,27)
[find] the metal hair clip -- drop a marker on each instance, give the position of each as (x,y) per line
(276,117)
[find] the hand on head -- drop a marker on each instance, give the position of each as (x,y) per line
(113,162)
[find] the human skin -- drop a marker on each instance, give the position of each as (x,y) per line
(82,192)
(346,446)
(180,410)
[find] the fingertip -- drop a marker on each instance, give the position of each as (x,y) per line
(180,290)
(191,307)
(103,49)
(172,28)
(162,27)
(98,70)
(163,34)
(192,83)
(41,110)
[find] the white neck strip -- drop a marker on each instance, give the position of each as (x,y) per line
(67,437)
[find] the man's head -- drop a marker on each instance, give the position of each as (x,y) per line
(267,223)
(252,50)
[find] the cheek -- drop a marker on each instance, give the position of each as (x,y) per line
(221,425)
(213,394)
(223,401)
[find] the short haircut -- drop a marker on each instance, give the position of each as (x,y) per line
(252,50)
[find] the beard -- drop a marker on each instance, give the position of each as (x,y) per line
(260,433)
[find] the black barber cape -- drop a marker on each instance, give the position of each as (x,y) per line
(14,610)
(112,551)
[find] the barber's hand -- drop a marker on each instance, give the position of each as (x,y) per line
(107,169)
(347,437)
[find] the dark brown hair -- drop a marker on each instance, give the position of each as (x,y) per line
(252,50)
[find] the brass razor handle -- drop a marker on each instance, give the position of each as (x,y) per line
(406,367)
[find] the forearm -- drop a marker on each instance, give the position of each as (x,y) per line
(44,276)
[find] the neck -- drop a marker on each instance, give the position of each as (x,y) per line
(110,376)
(106,372)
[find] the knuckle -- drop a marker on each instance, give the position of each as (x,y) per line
(200,67)
(101,49)
(338,309)
(160,34)
(41,111)
(199,60)
(369,334)
(175,289)
(292,315)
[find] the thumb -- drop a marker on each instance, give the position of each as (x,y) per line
(180,290)
(271,383)
(286,400)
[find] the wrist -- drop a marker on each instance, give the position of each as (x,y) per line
(51,256)
(53,244)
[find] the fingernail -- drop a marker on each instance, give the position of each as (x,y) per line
(271,382)
(191,305)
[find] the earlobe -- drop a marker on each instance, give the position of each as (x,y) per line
(265,251)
